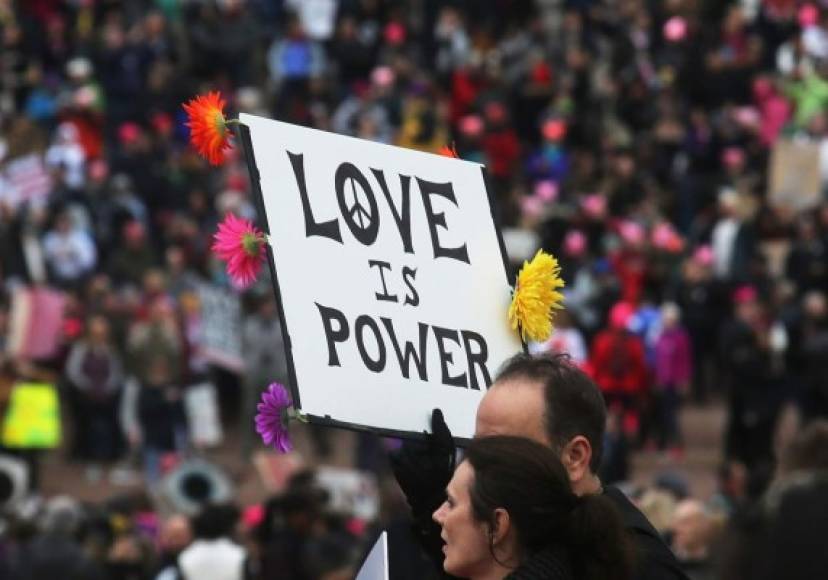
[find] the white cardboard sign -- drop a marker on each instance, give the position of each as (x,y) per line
(350,492)
(376,564)
(391,277)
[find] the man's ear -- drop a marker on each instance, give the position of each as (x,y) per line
(501,524)
(576,457)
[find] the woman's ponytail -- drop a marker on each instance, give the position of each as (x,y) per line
(600,548)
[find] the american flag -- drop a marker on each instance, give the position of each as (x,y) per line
(25,179)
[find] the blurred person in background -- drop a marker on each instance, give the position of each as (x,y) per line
(733,240)
(113,205)
(781,534)
(175,535)
(673,373)
(156,337)
(810,346)
(129,262)
(617,364)
(756,382)
(293,60)
(697,295)
(129,557)
(95,371)
(69,252)
(659,506)
(615,462)
(152,417)
(290,524)
(565,339)
(214,553)
(732,488)
(55,552)
(798,507)
(67,159)
(807,262)
(694,534)
(160,418)
(181,275)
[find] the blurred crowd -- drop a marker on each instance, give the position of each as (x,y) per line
(293,535)
(636,140)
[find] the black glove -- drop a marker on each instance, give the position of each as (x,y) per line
(423,470)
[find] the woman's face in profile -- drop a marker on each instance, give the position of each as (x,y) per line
(467,549)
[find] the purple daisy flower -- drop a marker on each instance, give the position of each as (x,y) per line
(272,418)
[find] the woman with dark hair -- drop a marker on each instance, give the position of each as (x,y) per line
(95,372)
(511,514)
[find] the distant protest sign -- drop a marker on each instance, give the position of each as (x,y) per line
(390,274)
(350,492)
(795,181)
(35,325)
(221,319)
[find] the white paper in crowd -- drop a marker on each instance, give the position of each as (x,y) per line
(201,409)
(350,492)
(391,277)
(376,564)
(221,327)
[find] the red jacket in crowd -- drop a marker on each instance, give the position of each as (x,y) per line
(617,362)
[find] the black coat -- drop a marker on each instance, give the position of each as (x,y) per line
(549,564)
(654,560)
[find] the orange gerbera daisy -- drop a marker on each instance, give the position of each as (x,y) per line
(449,151)
(208,126)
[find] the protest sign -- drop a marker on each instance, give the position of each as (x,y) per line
(375,566)
(33,417)
(390,273)
(201,409)
(221,320)
(25,180)
(350,492)
(795,182)
(35,323)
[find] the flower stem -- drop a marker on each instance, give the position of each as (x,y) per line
(301,417)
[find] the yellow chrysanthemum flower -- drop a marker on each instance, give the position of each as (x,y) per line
(536,297)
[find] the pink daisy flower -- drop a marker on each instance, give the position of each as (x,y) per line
(272,418)
(239,243)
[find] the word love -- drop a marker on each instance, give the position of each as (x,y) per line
(360,212)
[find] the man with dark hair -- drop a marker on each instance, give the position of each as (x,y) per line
(214,553)
(550,400)
(572,404)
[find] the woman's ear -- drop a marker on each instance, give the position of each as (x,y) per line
(501,526)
